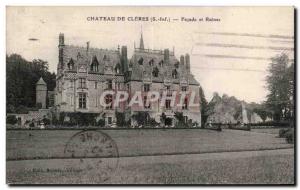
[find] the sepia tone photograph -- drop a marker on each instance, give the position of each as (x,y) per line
(150,95)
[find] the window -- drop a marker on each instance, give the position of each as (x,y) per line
(109,120)
(151,62)
(146,87)
(82,100)
(109,84)
(168,104)
(185,119)
(155,72)
(71,83)
(95,64)
(140,61)
(108,101)
(185,104)
(118,85)
(176,65)
(71,64)
(82,82)
(161,63)
(117,68)
(145,103)
(174,74)
(183,88)
(95,85)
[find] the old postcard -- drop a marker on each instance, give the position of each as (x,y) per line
(150,95)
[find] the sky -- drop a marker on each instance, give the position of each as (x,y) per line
(228,56)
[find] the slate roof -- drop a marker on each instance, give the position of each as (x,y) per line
(81,56)
(41,82)
(165,72)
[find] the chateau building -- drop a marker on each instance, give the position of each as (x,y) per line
(85,73)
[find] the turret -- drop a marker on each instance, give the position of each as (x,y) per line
(166,56)
(41,93)
(187,63)
(142,42)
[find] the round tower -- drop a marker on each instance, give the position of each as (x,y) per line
(41,93)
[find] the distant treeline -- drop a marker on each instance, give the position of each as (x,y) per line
(21,77)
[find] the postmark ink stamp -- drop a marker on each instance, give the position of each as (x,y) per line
(96,152)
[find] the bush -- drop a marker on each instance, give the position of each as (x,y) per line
(11,119)
(282,132)
(289,136)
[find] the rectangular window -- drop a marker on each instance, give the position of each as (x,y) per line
(168,104)
(71,84)
(185,104)
(109,84)
(71,100)
(82,82)
(146,87)
(82,100)
(109,120)
(145,103)
(185,118)
(95,85)
(183,88)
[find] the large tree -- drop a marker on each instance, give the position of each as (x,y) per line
(280,83)
(21,77)
(203,106)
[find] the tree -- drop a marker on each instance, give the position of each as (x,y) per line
(280,83)
(203,106)
(21,78)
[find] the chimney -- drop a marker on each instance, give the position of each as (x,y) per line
(87,46)
(61,39)
(124,57)
(166,56)
(187,62)
(182,60)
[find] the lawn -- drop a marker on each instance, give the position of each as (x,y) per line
(25,144)
(156,156)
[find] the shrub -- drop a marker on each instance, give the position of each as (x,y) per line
(11,119)
(282,132)
(289,136)
(120,119)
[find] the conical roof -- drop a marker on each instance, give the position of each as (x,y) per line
(41,82)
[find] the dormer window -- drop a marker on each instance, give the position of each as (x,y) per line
(151,62)
(117,68)
(95,64)
(71,64)
(140,61)
(161,63)
(174,74)
(155,72)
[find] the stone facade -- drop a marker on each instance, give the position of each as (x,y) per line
(84,73)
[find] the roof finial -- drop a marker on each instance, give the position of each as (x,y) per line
(141,40)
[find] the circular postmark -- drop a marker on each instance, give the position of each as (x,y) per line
(94,153)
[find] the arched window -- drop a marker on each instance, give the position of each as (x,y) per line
(140,61)
(155,72)
(174,74)
(95,64)
(71,64)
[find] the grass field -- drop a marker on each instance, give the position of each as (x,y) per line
(157,156)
